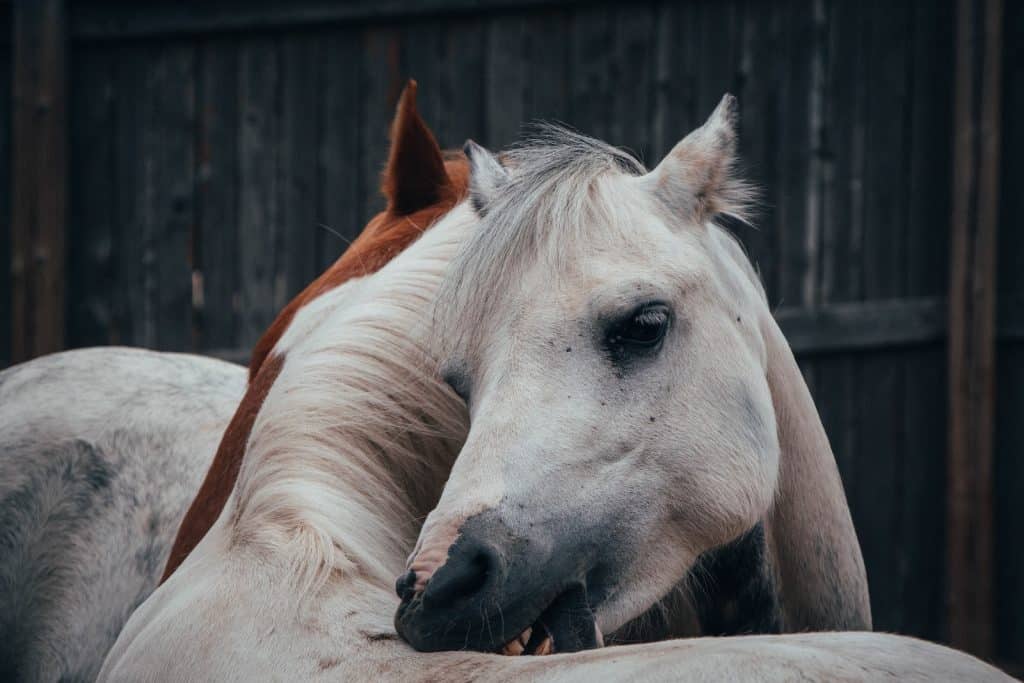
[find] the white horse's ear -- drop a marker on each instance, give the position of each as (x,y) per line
(486,176)
(697,179)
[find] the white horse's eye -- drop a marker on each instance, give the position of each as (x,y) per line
(640,332)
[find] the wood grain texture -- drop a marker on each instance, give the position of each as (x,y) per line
(972,331)
(218,299)
(1009,465)
(39,178)
(6,101)
(92,278)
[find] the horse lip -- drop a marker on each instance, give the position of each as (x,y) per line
(559,617)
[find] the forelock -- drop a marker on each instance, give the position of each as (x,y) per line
(550,202)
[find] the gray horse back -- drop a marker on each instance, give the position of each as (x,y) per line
(101,452)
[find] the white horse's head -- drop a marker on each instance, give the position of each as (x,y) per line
(607,336)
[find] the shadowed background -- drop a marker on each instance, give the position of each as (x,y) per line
(204,144)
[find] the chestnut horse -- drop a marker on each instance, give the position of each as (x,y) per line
(350,441)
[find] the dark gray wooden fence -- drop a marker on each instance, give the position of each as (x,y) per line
(209,141)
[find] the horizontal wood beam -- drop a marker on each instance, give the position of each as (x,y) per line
(110,19)
(859,326)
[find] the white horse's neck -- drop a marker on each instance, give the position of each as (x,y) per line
(355,439)
(821,573)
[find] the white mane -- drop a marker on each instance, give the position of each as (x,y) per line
(355,438)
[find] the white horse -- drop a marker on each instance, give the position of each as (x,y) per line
(349,445)
(633,404)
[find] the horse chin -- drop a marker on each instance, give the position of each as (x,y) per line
(566,624)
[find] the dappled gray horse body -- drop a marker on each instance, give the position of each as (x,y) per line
(101,450)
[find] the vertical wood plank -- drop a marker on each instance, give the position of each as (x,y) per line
(261,280)
(836,395)
(128,302)
(926,272)
(421,60)
(5,191)
(759,74)
(168,161)
(297,170)
(546,91)
(883,398)
(217,228)
(590,71)
(505,81)
(1009,466)
(633,71)
(972,298)
(339,163)
(92,235)
(40,178)
(381,85)
(462,83)
(155,116)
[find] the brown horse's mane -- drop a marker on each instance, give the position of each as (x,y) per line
(421,185)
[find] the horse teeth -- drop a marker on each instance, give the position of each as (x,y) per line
(517,645)
(546,647)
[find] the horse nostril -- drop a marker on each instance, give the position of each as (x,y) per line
(405,586)
(464,573)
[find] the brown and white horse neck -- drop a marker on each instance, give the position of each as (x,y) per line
(421,185)
(356,436)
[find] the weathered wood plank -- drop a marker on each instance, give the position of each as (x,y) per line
(128,301)
(5,190)
(592,43)
(1009,506)
(155,170)
(261,272)
(759,112)
(340,200)
(297,166)
(421,60)
(92,235)
(380,88)
(505,80)
(633,70)
(925,204)
(546,95)
(462,83)
(1009,465)
(217,229)
(883,396)
(867,325)
(168,175)
(39,178)
(837,380)
(976,147)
